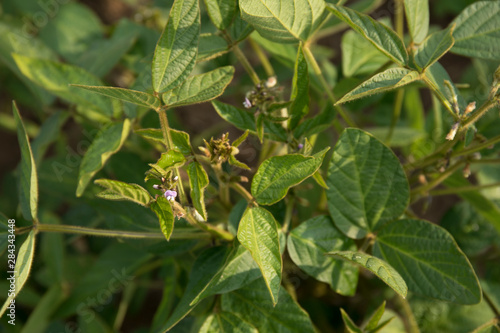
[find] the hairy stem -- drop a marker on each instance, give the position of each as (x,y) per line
(70,229)
(438,180)
(398,105)
(317,70)
(463,189)
(262,57)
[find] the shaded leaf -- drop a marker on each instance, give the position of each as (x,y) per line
(382,37)
(22,269)
(161,207)
(307,245)
(199,88)
(107,142)
(226,322)
(300,91)
(253,305)
(359,56)
(258,233)
(28,179)
(175,53)
(417,16)
(378,267)
(429,260)
(283,21)
(117,190)
(56,78)
(221,12)
(389,79)
(198,180)
(477,31)
(205,267)
(278,173)
(367,184)
(434,47)
(127,95)
(41,316)
(350,326)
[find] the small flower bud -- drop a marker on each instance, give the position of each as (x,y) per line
(471,107)
(175,178)
(466,171)
(300,146)
(247,104)
(422,179)
(453,132)
(271,82)
(156,186)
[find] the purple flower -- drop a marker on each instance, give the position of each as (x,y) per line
(170,195)
(300,146)
(247,104)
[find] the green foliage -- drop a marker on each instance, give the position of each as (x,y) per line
(237,188)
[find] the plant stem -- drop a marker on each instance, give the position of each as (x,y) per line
(217,232)
(262,57)
(398,105)
(244,193)
(317,70)
(493,322)
(165,128)
(478,147)
(288,213)
(408,313)
(463,189)
(476,115)
(399,20)
(492,305)
(70,229)
(486,161)
(223,187)
(438,180)
(246,64)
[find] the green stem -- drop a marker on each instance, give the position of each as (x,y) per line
(262,57)
(288,213)
(128,294)
(438,180)
(246,64)
(70,229)
(243,192)
(478,147)
(492,305)
(408,314)
(399,21)
(317,70)
(165,128)
(463,189)
(486,161)
(476,115)
(217,232)
(223,186)
(493,322)
(398,105)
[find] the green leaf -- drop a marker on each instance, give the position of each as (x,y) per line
(317,124)
(350,326)
(180,139)
(378,267)
(211,46)
(41,316)
(401,136)
(359,56)
(171,159)
(161,207)
(300,91)
(116,190)
(28,179)
(367,184)
(200,88)
(198,180)
(258,233)
(127,95)
(205,267)
(435,76)
(434,47)
(244,120)
(477,31)
(382,37)
(22,268)
(278,173)
(389,79)
(48,134)
(107,142)
(175,53)
(56,78)
(372,323)
(283,21)
(226,322)
(417,16)
(485,207)
(221,12)
(429,260)
(307,245)
(239,270)
(253,305)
